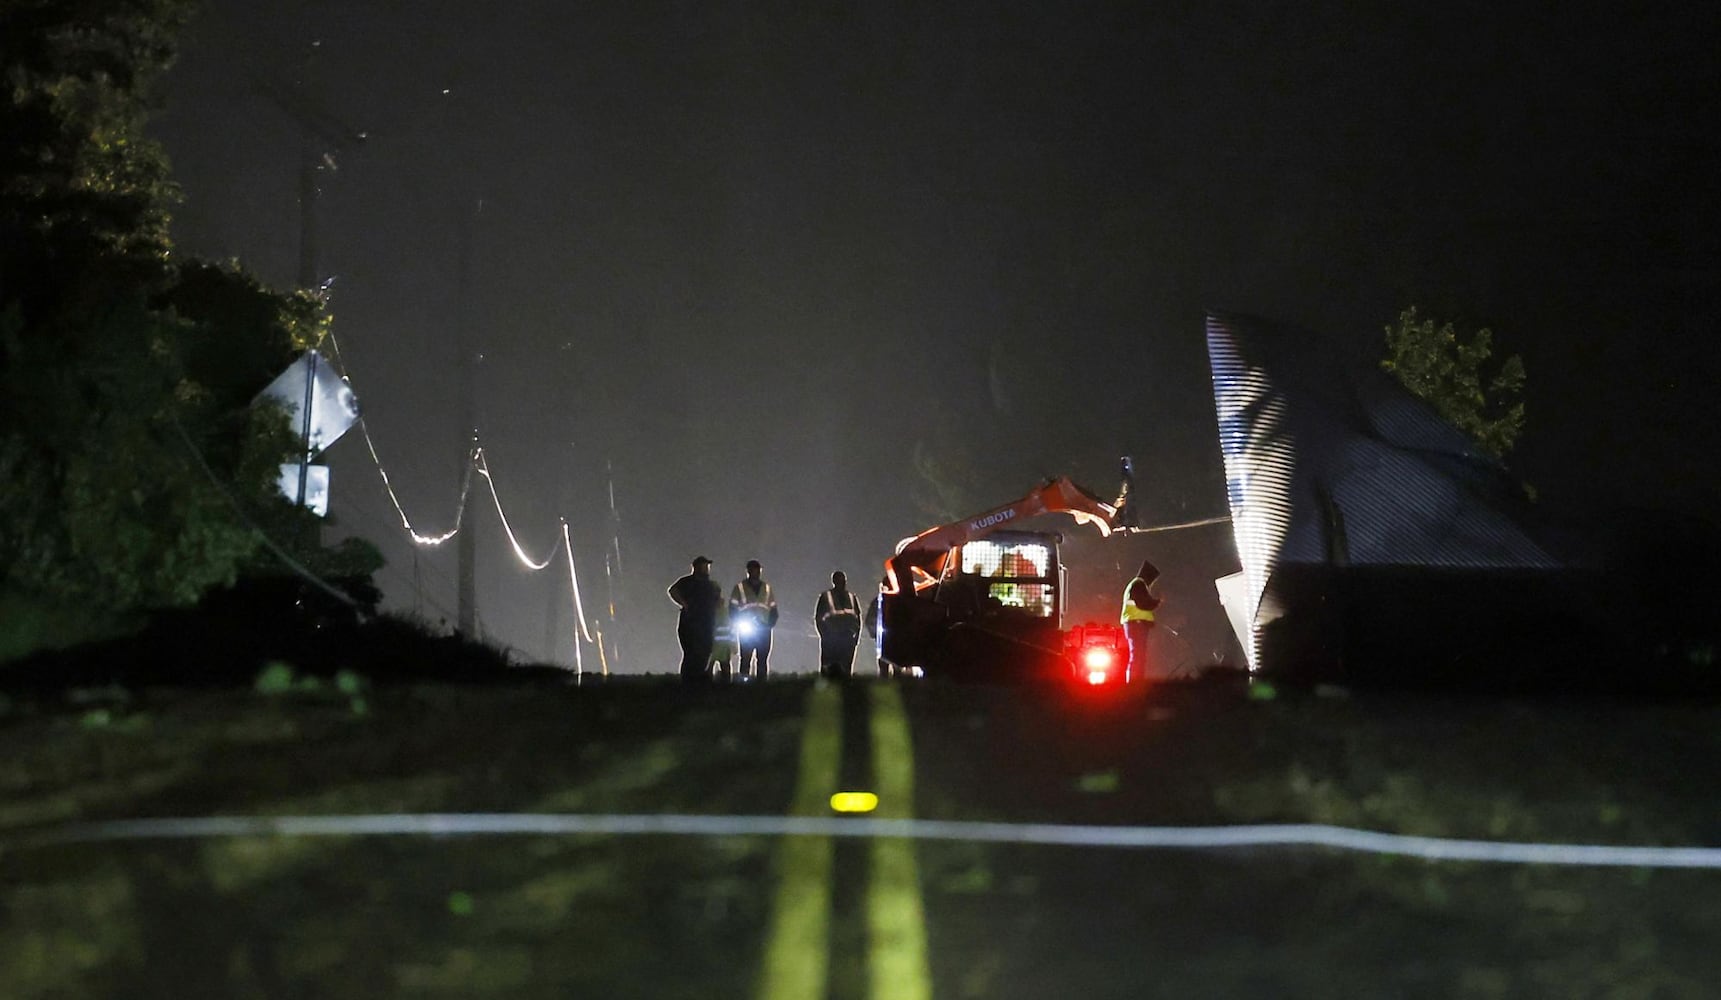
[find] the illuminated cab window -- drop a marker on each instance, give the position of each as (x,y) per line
(1035,598)
(994,559)
(1017,571)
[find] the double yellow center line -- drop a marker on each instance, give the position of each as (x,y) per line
(797,951)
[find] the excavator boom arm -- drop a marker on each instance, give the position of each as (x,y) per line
(1060,495)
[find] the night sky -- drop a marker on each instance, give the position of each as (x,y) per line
(752,254)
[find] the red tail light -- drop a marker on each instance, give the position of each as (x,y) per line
(1097,661)
(1098,654)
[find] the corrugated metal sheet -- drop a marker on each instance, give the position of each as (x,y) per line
(1329,465)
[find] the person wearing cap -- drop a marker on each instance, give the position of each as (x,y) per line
(698,596)
(838,618)
(1137,617)
(752,616)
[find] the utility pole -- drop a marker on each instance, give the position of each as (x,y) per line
(466,543)
(612,567)
(310,161)
(553,595)
(310,158)
(321,136)
(553,623)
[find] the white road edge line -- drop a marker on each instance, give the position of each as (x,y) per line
(1042,834)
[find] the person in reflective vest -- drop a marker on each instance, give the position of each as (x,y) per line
(752,615)
(1139,605)
(838,618)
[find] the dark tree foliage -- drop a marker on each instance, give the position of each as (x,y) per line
(134,466)
(1455,376)
(83,194)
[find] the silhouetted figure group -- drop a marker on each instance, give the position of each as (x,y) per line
(711,629)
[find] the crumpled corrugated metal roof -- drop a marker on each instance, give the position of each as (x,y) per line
(1329,464)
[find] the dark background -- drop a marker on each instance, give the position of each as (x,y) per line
(750,255)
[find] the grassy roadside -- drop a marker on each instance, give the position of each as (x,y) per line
(1455,767)
(1009,922)
(32,626)
(366,917)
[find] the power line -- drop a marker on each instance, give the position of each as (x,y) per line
(393,498)
(534,565)
(477,462)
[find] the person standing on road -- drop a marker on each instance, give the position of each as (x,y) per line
(752,616)
(874,625)
(838,618)
(698,596)
(1139,605)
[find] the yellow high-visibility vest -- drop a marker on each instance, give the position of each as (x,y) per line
(1132,613)
(740,600)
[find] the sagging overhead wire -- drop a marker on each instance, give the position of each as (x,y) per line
(405,522)
(393,498)
(477,462)
(574,581)
(483,467)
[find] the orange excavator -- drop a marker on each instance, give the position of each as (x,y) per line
(981,600)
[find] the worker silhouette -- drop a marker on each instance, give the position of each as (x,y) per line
(752,616)
(838,619)
(698,596)
(874,620)
(1139,605)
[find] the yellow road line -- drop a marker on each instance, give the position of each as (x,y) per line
(797,948)
(895,914)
